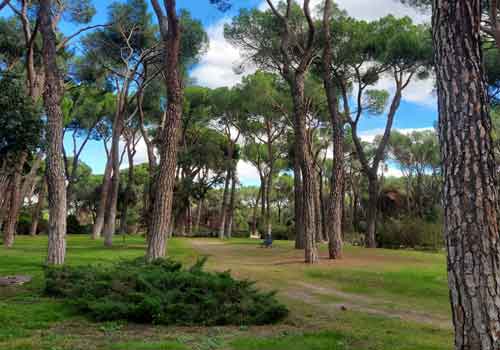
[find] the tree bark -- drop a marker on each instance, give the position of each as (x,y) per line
(372,212)
(15,202)
(52,96)
(307,169)
(165,179)
(470,194)
(334,229)
(298,209)
(228,228)
(225,202)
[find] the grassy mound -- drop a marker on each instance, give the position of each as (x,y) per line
(163,293)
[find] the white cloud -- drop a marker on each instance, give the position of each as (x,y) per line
(370,10)
(374,9)
(247,173)
(369,135)
(216,68)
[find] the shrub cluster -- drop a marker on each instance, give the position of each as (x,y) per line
(410,233)
(163,292)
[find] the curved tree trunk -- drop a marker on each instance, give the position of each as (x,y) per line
(56,178)
(469,194)
(169,137)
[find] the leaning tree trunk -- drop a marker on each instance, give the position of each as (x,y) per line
(470,194)
(15,202)
(56,179)
(103,198)
(372,211)
(317,210)
(169,136)
(35,218)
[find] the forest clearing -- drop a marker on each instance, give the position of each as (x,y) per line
(249,174)
(369,300)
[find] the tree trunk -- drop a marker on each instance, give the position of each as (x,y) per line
(38,208)
(103,198)
(317,210)
(254,215)
(128,191)
(269,186)
(15,202)
(52,96)
(199,210)
(114,189)
(337,182)
(228,229)
(470,194)
(306,167)
(298,209)
(372,211)
(169,137)
(225,202)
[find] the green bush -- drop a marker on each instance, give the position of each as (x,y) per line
(24,224)
(74,227)
(410,232)
(163,293)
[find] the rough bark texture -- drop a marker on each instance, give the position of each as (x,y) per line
(470,193)
(165,179)
(52,96)
(336,199)
(307,170)
(298,209)
(15,202)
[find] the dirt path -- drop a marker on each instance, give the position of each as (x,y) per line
(282,268)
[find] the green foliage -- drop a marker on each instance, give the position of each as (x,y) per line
(74,226)
(410,233)
(163,293)
(20,119)
(24,224)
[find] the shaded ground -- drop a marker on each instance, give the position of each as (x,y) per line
(372,299)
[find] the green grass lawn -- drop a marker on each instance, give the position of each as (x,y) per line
(390,281)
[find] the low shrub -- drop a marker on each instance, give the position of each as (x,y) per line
(163,292)
(411,233)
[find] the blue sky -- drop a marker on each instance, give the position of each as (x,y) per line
(418,109)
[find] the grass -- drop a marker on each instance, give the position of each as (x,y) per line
(387,281)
